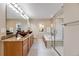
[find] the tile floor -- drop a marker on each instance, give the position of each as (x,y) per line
(39,49)
(60,50)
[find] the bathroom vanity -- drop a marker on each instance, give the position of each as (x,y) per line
(18,47)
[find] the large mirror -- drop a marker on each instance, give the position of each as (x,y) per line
(15,21)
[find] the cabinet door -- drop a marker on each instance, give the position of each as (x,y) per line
(25,47)
(25,50)
(13,48)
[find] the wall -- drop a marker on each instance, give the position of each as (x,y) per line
(2,20)
(71,33)
(2,25)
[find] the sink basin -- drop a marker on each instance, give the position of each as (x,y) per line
(23,34)
(18,38)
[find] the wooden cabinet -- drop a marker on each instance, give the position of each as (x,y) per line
(25,47)
(31,40)
(18,48)
(13,48)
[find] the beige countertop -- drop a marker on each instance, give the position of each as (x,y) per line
(19,38)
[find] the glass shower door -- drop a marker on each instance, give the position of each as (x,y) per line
(58,42)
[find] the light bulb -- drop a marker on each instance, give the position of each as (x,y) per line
(13,8)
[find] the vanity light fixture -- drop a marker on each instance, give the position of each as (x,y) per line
(11,6)
(15,5)
(51,16)
(17,9)
(26,16)
(41,25)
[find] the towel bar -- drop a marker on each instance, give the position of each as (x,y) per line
(71,23)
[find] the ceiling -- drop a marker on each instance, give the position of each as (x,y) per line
(36,10)
(40,10)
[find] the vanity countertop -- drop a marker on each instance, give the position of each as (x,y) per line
(19,39)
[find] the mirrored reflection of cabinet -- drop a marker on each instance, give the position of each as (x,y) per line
(14,21)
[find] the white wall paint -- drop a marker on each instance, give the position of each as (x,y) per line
(71,12)
(71,33)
